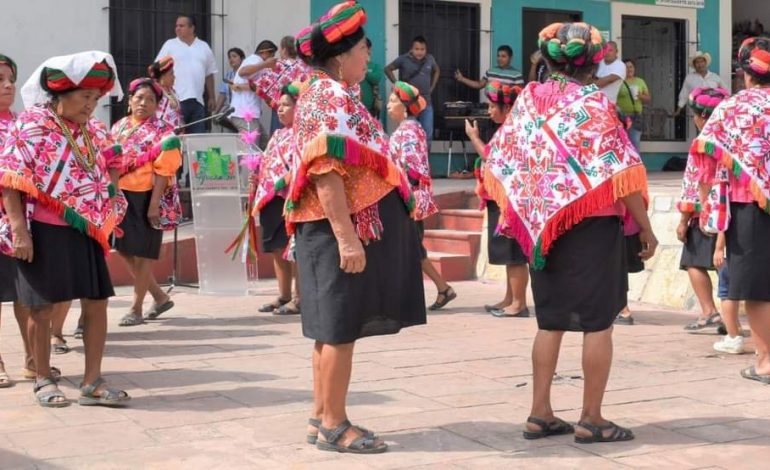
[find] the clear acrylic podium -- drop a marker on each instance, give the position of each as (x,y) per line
(216,188)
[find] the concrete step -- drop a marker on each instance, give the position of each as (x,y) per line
(453,267)
(471,220)
(459,242)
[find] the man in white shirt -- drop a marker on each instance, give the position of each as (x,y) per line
(194,68)
(701,77)
(244,100)
(611,72)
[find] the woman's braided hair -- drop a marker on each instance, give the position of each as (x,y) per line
(571,48)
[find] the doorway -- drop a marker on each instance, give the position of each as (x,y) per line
(138,29)
(534,20)
(658,47)
(453,32)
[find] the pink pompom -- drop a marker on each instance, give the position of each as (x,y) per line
(250,138)
(248,116)
(252,161)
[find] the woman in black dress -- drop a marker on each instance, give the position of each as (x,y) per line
(357,249)
(502,251)
(561,168)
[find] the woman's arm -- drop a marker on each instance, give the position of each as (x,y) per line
(22,241)
(331,194)
(635,205)
(159,184)
(472,131)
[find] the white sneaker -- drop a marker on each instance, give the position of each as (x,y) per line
(730,345)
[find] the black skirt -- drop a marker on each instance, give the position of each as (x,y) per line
(421,237)
(139,237)
(502,251)
(698,252)
(339,308)
(633,248)
(66,265)
(8,274)
(272,226)
(583,285)
(748,253)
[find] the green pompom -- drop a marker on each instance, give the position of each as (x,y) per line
(555,51)
(574,49)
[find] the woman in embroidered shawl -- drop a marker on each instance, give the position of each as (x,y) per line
(270,191)
(702,102)
(162,72)
(7,263)
(8,270)
(357,249)
(501,250)
(559,168)
(736,137)
(151,157)
(59,165)
(698,253)
(409,151)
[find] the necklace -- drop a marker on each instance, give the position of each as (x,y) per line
(86,161)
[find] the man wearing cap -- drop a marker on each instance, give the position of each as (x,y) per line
(194,69)
(702,77)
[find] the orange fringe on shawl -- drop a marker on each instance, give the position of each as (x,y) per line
(349,152)
(732,164)
(69,215)
(625,183)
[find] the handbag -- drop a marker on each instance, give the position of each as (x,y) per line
(717,205)
(170,208)
(635,118)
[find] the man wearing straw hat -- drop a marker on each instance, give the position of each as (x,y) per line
(701,77)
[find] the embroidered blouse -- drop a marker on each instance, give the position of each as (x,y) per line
(149,148)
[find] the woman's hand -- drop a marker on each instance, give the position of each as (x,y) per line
(458,75)
(153,214)
(649,244)
(472,129)
(681,231)
(22,245)
(719,258)
(352,254)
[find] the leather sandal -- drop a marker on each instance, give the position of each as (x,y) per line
(60,348)
(443,298)
(619,434)
(360,445)
(107,397)
(312,438)
(270,307)
(557,427)
(46,398)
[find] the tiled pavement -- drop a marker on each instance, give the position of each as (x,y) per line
(216,385)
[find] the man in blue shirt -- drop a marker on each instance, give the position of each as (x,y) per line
(418,68)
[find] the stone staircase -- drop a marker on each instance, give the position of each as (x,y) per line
(453,236)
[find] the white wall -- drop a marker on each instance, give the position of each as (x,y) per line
(35,30)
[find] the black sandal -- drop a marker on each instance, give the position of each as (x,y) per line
(156,310)
(361,445)
(446,296)
(277,303)
(619,434)
(713,320)
(751,374)
(557,427)
(316,423)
